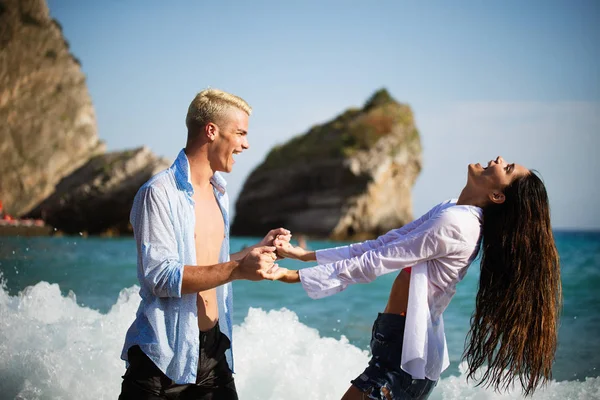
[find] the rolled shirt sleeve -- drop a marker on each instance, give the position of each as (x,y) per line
(161,269)
(434,238)
(334,254)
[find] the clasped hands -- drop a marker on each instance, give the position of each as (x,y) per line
(262,257)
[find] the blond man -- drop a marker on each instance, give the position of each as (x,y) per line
(179,345)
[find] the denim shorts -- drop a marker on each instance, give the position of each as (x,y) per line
(383,378)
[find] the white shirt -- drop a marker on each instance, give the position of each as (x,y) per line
(439,247)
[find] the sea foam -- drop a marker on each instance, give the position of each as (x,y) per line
(52,348)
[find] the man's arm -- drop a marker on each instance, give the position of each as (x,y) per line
(159,267)
(162,272)
(240,254)
(198,278)
(250,267)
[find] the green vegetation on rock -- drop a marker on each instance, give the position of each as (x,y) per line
(353,130)
(379,98)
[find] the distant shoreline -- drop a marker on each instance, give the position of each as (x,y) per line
(575,230)
(46,230)
(24,230)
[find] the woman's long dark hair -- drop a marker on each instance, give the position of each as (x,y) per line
(515,323)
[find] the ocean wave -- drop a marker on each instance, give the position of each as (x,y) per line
(50,348)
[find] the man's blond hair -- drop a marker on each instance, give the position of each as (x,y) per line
(210,105)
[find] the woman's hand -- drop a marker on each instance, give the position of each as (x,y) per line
(279,233)
(285,249)
(276,273)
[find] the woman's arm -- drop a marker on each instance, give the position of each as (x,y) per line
(326,256)
(285,249)
(356,249)
(438,239)
(283,274)
(327,279)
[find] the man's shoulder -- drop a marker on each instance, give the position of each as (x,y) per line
(164,178)
(162,182)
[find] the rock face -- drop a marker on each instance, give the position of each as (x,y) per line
(97,197)
(48,126)
(350,178)
(52,164)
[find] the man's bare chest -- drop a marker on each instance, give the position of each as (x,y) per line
(209,229)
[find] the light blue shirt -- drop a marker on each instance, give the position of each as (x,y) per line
(166,323)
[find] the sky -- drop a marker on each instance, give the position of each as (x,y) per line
(484,78)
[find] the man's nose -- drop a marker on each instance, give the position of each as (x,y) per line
(245,144)
(500,160)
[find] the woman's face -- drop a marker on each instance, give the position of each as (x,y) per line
(494,177)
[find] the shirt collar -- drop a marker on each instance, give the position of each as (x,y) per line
(181,167)
(219,182)
(476,211)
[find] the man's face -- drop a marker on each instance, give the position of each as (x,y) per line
(230,139)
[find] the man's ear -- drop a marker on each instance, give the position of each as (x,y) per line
(497,197)
(210,130)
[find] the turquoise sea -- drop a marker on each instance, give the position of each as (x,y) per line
(66,303)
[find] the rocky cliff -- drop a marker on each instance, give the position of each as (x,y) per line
(48,126)
(97,197)
(52,164)
(350,178)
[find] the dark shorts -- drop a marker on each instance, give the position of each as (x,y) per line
(144,381)
(384,375)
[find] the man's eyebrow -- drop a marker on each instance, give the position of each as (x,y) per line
(242,131)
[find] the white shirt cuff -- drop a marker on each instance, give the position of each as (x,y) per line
(320,281)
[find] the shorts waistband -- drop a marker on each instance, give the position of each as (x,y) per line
(391,319)
(210,335)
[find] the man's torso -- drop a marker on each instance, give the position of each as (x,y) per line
(209,233)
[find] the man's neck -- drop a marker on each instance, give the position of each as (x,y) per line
(200,170)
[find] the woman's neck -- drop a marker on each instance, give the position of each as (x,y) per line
(469,197)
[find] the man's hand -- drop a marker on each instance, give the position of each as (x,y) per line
(256,263)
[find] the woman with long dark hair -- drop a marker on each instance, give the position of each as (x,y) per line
(504,211)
